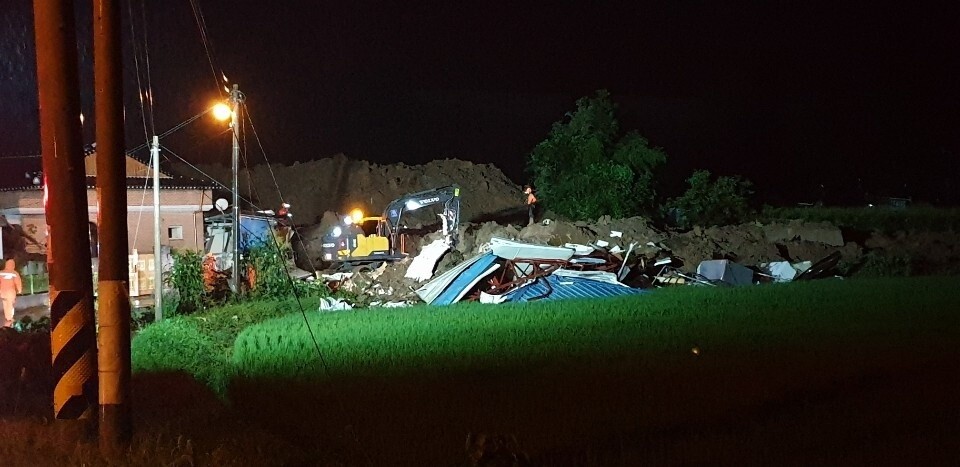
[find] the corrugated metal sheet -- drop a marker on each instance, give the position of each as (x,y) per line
(431,290)
(562,288)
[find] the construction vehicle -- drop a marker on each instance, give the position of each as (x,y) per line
(359,240)
(262,229)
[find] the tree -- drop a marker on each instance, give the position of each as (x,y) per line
(585,169)
(706,203)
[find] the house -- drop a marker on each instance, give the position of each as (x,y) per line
(182,204)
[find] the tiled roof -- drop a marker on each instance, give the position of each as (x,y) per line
(13,170)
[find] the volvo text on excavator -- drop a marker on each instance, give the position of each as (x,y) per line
(368,240)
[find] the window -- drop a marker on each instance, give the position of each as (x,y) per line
(175,232)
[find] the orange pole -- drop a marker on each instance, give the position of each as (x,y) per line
(72,334)
(114,298)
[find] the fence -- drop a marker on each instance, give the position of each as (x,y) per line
(36,279)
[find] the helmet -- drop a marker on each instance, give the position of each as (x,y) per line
(286,205)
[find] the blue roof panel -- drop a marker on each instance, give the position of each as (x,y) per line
(562,288)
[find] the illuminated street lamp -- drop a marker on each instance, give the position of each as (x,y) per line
(221,111)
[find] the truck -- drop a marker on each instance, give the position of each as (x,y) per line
(257,230)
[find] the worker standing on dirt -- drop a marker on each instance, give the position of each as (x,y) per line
(10,286)
(531,202)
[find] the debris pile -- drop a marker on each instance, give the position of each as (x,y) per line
(496,263)
(518,271)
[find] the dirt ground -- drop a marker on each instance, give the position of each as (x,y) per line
(492,206)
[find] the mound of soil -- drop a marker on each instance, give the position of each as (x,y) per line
(492,206)
(340,184)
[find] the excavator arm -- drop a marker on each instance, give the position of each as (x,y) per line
(348,243)
(449,196)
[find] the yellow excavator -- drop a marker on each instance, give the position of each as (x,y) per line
(359,240)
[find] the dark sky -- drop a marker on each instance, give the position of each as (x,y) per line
(791,94)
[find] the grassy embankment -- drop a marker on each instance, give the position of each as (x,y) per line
(831,371)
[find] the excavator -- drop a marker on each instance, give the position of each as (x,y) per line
(359,240)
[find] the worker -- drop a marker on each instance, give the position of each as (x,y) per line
(531,202)
(10,287)
(284,215)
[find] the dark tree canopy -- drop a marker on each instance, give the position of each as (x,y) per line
(717,202)
(586,169)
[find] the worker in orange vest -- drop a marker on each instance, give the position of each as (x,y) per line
(531,202)
(10,287)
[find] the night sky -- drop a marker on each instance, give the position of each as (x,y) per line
(859,97)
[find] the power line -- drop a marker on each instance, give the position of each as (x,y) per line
(146,54)
(207,45)
(274,177)
(136,63)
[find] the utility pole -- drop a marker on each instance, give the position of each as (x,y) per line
(72,335)
(113,286)
(236,97)
(157,248)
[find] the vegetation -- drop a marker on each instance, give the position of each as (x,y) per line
(386,341)
(879,218)
(802,373)
(187,278)
(201,344)
(181,344)
(271,279)
(377,342)
(708,203)
(586,168)
(199,285)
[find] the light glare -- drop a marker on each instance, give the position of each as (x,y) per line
(356,215)
(222,112)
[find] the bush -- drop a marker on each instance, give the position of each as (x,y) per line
(585,169)
(879,265)
(178,344)
(706,203)
(201,345)
(271,279)
(186,277)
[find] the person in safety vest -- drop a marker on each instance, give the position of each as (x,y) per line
(531,202)
(10,286)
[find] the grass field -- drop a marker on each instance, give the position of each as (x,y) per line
(836,372)
(879,218)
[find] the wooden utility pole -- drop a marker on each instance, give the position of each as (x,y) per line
(114,299)
(72,334)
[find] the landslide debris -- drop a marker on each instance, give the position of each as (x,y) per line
(339,184)
(492,206)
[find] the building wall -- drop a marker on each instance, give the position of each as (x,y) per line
(178,208)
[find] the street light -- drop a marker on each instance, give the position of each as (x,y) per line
(221,111)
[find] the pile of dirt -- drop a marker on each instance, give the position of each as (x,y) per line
(492,206)
(340,184)
(750,244)
(753,244)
